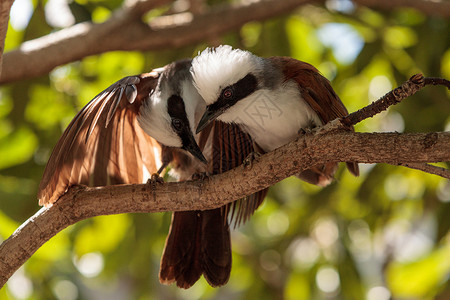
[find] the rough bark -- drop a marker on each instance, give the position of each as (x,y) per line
(85,202)
(125,31)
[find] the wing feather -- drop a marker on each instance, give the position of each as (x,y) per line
(104,143)
(316,90)
(230,147)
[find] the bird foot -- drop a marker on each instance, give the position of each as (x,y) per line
(155,178)
(153,181)
(201,176)
(305,131)
(248,161)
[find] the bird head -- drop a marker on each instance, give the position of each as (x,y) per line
(224,77)
(169,115)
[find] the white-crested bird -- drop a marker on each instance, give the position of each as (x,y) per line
(272,99)
(135,128)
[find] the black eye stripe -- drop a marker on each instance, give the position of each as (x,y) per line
(175,106)
(180,122)
(239,90)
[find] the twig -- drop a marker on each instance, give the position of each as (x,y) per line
(435,170)
(409,88)
(437,81)
(126,31)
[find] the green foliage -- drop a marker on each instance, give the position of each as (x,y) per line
(384,234)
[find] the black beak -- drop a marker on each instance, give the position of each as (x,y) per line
(194,149)
(209,116)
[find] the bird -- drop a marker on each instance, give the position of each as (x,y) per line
(137,127)
(272,99)
(123,134)
(199,242)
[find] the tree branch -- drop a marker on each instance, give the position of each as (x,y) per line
(125,31)
(408,88)
(85,202)
(330,143)
(5,8)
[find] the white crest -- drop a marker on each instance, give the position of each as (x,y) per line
(215,68)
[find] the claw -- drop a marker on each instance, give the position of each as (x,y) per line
(153,181)
(305,131)
(253,156)
(201,176)
(155,178)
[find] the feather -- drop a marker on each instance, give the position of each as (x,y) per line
(99,146)
(316,90)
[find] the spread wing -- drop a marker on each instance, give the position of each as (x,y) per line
(104,143)
(230,146)
(316,90)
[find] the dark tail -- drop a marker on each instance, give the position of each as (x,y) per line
(198,243)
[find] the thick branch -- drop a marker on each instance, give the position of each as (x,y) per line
(125,31)
(81,203)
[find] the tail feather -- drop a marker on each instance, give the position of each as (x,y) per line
(179,262)
(216,248)
(198,243)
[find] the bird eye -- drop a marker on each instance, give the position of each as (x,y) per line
(227,93)
(177,124)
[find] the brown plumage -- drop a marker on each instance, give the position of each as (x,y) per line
(199,241)
(316,90)
(106,125)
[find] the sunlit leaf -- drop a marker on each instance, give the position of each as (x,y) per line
(421,278)
(400,37)
(17,147)
(55,108)
(102,234)
(304,44)
(298,287)
(7,226)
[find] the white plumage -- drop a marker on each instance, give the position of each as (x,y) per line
(271,115)
(216,68)
(155,121)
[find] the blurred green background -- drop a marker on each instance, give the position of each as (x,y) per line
(384,235)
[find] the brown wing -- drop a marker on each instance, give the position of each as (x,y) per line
(316,90)
(104,143)
(230,147)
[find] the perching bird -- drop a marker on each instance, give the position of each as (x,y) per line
(117,137)
(135,128)
(272,99)
(199,241)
